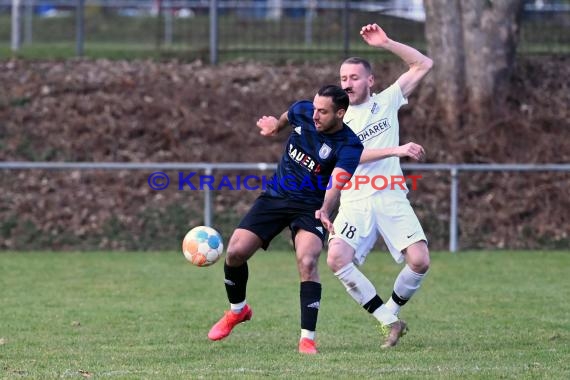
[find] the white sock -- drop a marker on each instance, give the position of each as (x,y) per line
(237,307)
(307,334)
(407,282)
(356,284)
(406,285)
(384,316)
(392,306)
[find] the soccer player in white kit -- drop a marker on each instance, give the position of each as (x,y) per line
(367,212)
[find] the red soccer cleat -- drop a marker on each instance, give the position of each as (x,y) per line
(230,319)
(307,346)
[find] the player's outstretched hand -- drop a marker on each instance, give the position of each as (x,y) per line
(267,125)
(412,150)
(374,35)
(323,216)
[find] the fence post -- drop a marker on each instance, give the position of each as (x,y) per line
(16,37)
(28,22)
(453,210)
(214,32)
(309,17)
(168,27)
(208,201)
(346,27)
(79,27)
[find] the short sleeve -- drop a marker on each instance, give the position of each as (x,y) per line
(349,157)
(394,96)
(301,113)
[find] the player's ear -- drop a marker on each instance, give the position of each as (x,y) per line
(370,80)
(340,113)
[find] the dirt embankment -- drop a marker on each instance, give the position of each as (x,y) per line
(190,112)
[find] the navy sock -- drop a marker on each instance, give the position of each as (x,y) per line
(236,282)
(310,295)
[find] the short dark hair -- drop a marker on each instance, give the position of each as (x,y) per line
(337,94)
(359,61)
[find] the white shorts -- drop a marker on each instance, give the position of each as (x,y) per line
(387,213)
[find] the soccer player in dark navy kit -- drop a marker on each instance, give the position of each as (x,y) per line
(320,156)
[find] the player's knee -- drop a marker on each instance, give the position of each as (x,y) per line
(417,257)
(308,263)
(424,259)
(236,254)
(421,267)
(234,258)
(338,255)
(331,262)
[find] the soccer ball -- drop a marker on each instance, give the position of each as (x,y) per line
(202,246)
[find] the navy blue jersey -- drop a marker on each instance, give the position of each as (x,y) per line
(305,168)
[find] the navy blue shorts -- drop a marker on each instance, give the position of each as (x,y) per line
(269,215)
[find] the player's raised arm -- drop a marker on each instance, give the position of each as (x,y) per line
(270,125)
(419,64)
(412,150)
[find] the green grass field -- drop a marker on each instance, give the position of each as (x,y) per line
(482,315)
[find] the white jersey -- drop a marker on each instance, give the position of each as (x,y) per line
(376,125)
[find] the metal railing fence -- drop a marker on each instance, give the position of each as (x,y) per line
(214,30)
(209,168)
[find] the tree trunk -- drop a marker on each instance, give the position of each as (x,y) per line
(473,44)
